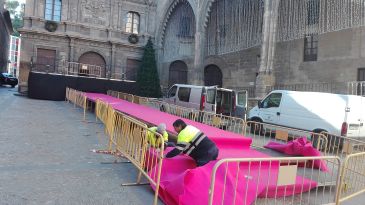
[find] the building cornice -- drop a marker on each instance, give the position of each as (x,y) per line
(80,37)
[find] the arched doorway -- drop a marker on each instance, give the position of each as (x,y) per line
(92,58)
(213,76)
(178,73)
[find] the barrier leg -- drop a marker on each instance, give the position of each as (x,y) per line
(138,183)
(110,143)
(85,107)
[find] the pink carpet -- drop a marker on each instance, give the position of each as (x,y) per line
(228,142)
(300,147)
(183,183)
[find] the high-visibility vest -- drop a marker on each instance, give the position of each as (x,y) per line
(188,139)
(152,139)
(187,134)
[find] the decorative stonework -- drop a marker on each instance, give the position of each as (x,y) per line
(51,26)
(95,11)
(133,39)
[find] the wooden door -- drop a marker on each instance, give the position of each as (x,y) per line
(46,60)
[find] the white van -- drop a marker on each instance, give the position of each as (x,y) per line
(210,99)
(313,111)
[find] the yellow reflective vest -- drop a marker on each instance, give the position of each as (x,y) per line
(152,140)
(187,135)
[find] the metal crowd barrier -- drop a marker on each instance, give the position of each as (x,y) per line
(73,68)
(183,112)
(356,88)
(130,140)
(228,123)
(127,136)
(350,151)
(68,93)
(262,133)
(78,98)
(285,180)
(129,97)
(352,177)
(344,157)
(101,111)
(328,144)
(223,122)
(112,93)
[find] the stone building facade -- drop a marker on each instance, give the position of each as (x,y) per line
(271,43)
(95,32)
(6,30)
(231,43)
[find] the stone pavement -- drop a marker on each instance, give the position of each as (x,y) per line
(45,157)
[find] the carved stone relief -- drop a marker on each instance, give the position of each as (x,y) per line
(95,12)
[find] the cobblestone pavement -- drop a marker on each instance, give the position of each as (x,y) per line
(45,157)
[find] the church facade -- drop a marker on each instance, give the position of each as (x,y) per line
(236,44)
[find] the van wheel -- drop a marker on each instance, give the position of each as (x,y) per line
(255,127)
(316,141)
(333,144)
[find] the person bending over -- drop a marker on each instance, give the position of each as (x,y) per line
(153,140)
(191,141)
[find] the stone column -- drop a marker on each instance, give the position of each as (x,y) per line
(71,55)
(64,11)
(196,74)
(265,75)
(112,58)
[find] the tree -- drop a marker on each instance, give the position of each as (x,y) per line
(16,12)
(147,76)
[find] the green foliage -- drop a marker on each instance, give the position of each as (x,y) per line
(16,13)
(147,77)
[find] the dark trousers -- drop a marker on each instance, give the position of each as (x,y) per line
(210,155)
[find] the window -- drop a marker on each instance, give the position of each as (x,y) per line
(272,100)
(53,10)
(132,25)
(242,98)
(185,29)
(211,96)
(311,47)
(361,74)
(313,7)
(172,92)
(184,94)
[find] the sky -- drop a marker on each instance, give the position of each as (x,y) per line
(21,2)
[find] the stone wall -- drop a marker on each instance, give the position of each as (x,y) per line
(87,26)
(340,54)
(98,26)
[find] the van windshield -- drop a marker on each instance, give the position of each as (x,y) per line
(272,100)
(172,92)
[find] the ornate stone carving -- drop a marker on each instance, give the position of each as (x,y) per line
(95,11)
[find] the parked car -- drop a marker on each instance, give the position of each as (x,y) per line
(8,79)
(210,99)
(341,115)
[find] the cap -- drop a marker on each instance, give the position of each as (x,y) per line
(161,128)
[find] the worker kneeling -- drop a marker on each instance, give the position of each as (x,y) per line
(153,140)
(193,142)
